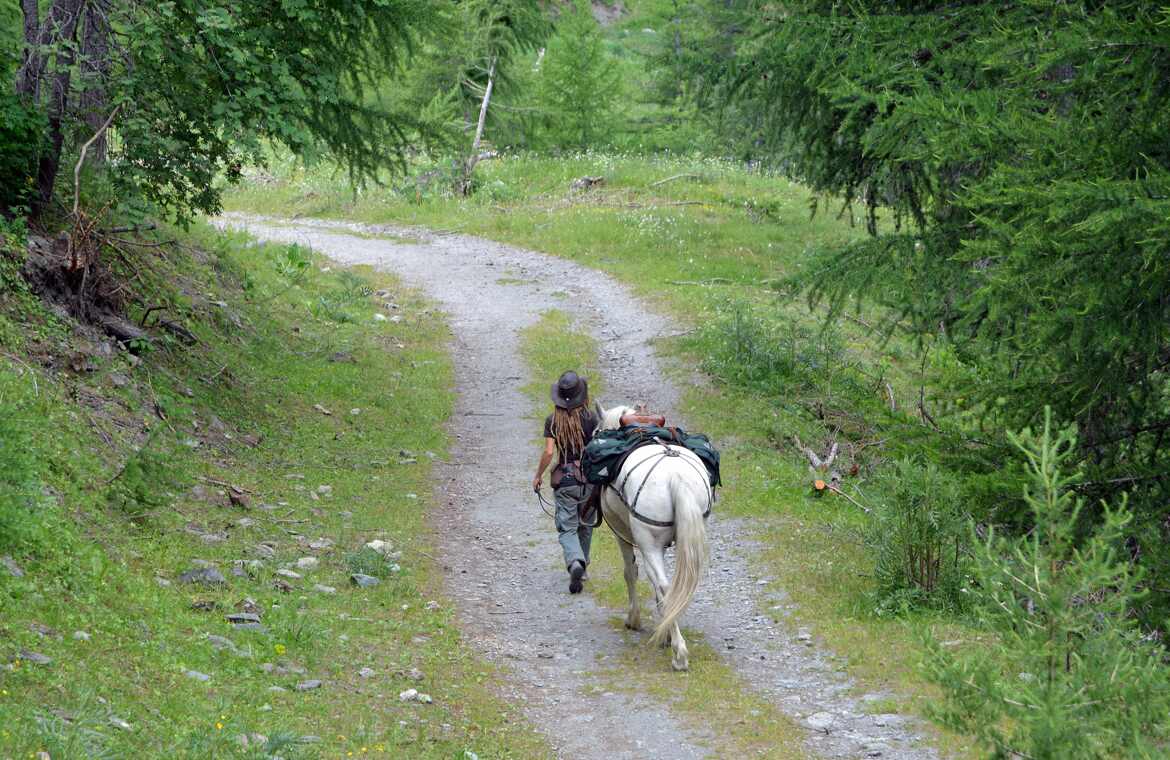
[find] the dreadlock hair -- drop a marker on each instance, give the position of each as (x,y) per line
(568,430)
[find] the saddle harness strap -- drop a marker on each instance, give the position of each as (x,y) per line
(666,452)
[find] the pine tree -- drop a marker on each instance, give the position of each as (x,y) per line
(1012,166)
(1068,677)
(578,84)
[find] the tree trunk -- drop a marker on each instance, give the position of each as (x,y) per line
(95,67)
(474,158)
(56,38)
(32,28)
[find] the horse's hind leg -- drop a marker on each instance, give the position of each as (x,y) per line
(634,616)
(656,570)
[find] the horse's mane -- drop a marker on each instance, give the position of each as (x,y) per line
(611,419)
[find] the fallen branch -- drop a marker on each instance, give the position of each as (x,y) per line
(130,228)
(854,501)
(816,463)
(712,281)
(673,178)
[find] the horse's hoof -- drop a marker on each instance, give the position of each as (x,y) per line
(680,667)
(634,625)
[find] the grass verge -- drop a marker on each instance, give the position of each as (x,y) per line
(261,455)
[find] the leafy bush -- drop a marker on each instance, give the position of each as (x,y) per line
(22,131)
(370,562)
(919,537)
(1070,675)
(771,356)
(335,305)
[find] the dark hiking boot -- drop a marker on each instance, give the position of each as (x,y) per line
(576,570)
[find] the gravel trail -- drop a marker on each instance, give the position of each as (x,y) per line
(505,574)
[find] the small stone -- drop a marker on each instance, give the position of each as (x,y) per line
(208,576)
(820,721)
(278,689)
(203,605)
(245,522)
(43,630)
(257,627)
(410,695)
(320,544)
(81,636)
(364,581)
(322,410)
(242,617)
(36,658)
(238,498)
(252,740)
(307,563)
(220,642)
(197,675)
(432,605)
(118,723)
(309,685)
(163,582)
(325,490)
(248,604)
(265,550)
(118,380)
(415,674)
(366,673)
(874,748)
(380,546)
(214,538)
(284,572)
(309,739)
(355,412)
(322,588)
(425,699)
(10,565)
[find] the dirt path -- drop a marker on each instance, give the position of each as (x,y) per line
(505,572)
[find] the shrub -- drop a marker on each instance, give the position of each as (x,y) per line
(772,356)
(919,536)
(1069,675)
(22,131)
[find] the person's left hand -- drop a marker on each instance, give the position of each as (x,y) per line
(536,484)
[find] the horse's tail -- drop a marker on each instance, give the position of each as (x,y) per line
(690,538)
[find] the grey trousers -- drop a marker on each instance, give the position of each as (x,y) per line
(574,536)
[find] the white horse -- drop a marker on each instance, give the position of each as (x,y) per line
(672,494)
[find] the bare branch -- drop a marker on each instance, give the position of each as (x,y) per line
(81,158)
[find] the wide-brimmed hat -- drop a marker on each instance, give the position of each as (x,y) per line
(570,391)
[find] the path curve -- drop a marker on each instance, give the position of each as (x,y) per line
(505,574)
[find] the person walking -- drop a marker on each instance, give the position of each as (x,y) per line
(566,431)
